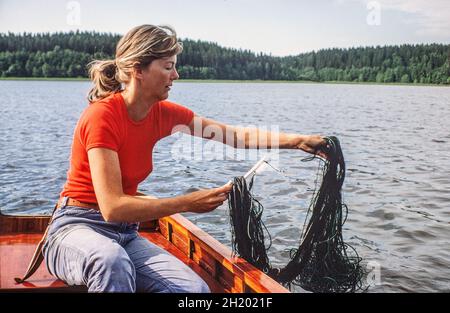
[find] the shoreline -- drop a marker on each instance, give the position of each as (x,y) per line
(256,81)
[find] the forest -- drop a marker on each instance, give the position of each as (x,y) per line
(65,55)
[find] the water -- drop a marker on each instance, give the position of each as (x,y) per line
(395,140)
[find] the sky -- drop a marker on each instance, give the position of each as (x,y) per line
(276,27)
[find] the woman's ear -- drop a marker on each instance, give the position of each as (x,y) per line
(137,71)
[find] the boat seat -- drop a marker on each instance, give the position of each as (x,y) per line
(16,251)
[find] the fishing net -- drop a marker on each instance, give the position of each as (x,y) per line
(323,262)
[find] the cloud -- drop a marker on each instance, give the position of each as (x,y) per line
(432,16)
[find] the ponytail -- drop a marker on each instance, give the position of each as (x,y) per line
(104,76)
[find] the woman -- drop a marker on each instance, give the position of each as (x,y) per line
(93,238)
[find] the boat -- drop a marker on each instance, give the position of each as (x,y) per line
(211,260)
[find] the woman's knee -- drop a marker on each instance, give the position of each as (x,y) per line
(112,258)
(110,269)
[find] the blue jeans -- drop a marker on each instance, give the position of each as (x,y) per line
(83,249)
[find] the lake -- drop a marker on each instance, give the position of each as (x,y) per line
(395,139)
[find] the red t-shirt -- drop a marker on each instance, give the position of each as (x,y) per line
(106,124)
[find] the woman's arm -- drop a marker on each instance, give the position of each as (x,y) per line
(116,206)
(254,138)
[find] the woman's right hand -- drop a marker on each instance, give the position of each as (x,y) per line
(206,200)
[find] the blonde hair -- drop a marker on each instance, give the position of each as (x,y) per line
(138,48)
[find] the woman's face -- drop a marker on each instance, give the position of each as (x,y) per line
(158,76)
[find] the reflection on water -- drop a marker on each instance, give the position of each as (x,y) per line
(395,140)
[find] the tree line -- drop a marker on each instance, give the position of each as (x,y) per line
(67,54)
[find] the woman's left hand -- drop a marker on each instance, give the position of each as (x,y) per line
(311,144)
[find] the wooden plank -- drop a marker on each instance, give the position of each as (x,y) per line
(148,225)
(23,223)
(205,260)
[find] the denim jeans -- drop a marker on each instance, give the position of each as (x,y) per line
(83,249)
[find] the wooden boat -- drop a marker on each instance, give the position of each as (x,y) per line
(214,262)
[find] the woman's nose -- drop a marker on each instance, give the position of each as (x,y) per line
(175,75)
